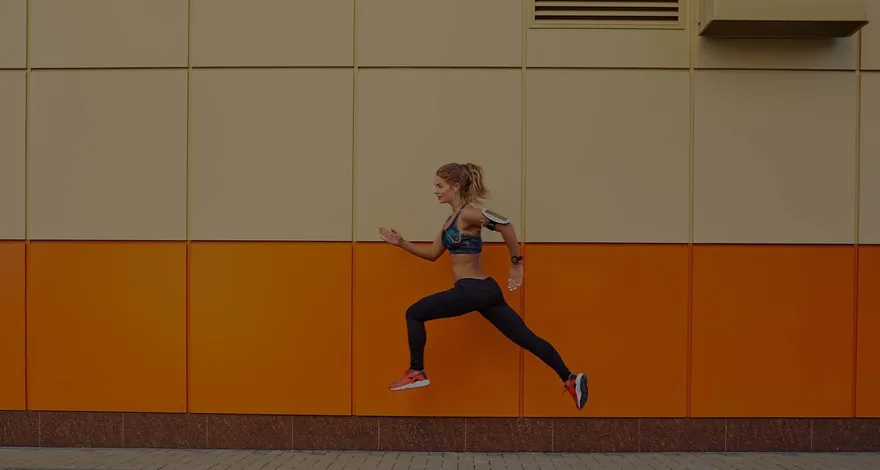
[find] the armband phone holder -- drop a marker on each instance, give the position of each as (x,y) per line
(494,219)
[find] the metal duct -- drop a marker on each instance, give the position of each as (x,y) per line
(804,19)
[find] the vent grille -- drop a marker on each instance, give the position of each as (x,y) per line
(607,13)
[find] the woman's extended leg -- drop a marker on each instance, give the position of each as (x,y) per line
(450,303)
(511,325)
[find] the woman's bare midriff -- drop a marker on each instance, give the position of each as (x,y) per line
(467,266)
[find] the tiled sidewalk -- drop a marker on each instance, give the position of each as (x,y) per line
(160,459)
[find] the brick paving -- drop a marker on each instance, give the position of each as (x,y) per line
(162,459)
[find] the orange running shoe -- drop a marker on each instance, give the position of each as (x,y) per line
(576,386)
(412,379)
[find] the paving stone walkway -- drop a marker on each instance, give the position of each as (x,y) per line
(160,459)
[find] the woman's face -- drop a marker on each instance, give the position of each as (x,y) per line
(443,190)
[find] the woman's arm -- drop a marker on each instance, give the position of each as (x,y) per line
(430,253)
(473,216)
(508,233)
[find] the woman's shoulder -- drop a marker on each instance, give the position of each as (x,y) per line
(472,213)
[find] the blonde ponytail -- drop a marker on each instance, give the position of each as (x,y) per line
(478,187)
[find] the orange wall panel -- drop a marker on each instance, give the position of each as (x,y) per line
(474,369)
(868,380)
(12,362)
(616,312)
(773,331)
(270,328)
(106,326)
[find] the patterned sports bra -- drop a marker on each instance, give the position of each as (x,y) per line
(461,243)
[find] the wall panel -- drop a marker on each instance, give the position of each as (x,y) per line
(107,154)
(410,122)
(454,33)
(12,154)
(108,33)
(870,36)
(776,54)
(270,154)
(633,48)
(270,328)
(12,325)
(618,314)
(869,160)
(106,326)
(474,369)
(272,33)
(868,358)
(774,157)
(772,331)
(607,156)
(13,34)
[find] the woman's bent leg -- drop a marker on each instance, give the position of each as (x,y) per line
(447,304)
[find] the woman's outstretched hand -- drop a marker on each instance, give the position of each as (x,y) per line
(389,235)
(516,277)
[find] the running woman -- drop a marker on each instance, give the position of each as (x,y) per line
(461,186)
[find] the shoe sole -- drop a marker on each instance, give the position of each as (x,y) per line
(582,390)
(419,384)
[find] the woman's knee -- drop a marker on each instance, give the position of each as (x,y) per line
(415,311)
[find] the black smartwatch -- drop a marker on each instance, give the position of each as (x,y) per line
(516,259)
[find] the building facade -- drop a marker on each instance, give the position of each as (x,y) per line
(190,193)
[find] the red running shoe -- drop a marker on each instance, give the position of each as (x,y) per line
(412,379)
(576,386)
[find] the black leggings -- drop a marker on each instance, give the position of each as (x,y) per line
(486,297)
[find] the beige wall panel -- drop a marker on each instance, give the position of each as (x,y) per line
(869,164)
(255,134)
(107,154)
(410,122)
(608,156)
(777,54)
(622,48)
(108,33)
(272,32)
(12,159)
(774,157)
(13,34)
(440,33)
(871,38)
